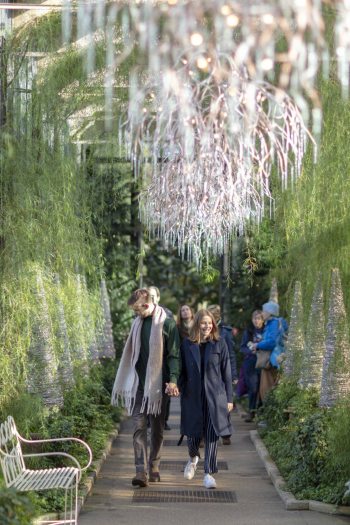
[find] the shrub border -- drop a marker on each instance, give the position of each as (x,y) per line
(289,500)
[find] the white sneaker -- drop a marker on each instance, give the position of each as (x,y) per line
(191,468)
(209,482)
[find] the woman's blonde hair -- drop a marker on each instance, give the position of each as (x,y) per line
(195,328)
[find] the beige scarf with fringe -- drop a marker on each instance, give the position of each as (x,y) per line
(127,381)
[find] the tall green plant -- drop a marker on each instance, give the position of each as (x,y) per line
(274,291)
(45,214)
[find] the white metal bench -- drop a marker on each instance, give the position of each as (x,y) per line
(18,476)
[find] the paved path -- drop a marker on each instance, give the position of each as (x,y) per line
(113,501)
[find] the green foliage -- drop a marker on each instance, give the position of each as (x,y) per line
(312,221)
(41,34)
(309,444)
(27,410)
(45,218)
(338,435)
(15,508)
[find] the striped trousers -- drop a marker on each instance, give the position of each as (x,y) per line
(211,440)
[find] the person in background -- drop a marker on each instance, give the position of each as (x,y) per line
(184,321)
(270,337)
(205,386)
(155,296)
(146,376)
(252,334)
(226,334)
(236,336)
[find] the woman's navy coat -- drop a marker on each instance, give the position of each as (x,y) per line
(217,384)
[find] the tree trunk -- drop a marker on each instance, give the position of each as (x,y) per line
(224,287)
(3,82)
(136,236)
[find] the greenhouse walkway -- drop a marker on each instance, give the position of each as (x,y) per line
(245,494)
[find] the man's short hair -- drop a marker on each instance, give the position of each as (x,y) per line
(155,289)
(138,294)
(214,309)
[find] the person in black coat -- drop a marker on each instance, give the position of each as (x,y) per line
(252,334)
(226,333)
(205,386)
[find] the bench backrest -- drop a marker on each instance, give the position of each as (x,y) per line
(11,457)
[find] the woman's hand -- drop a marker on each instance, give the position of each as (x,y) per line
(254,348)
(230,407)
(171,389)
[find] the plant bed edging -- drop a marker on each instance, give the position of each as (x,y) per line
(90,481)
(289,500)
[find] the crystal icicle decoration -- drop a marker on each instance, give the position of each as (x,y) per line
(204,64)
(81,352)
(315,342)
(296,342)
(107,349)
(65,367)
(335,383)
(204,108)
(211,162)
(43,377)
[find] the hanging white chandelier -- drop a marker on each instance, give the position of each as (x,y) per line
(219,93)
(212,143)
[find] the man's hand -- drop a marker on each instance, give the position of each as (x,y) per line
(230,407)
(171,389)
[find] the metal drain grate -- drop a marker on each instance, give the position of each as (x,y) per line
(184,496)
(179,466)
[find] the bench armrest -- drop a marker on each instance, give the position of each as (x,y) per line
(58,440)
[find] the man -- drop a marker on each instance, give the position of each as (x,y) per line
(226,335)
(147,375)
(155,296)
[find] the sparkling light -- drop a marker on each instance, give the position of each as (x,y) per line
(232,21)
(202,62)
(196,39)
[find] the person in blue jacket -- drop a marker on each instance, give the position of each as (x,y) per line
(252,334)
(270,337)
(205,386)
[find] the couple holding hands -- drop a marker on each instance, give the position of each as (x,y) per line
(153,366)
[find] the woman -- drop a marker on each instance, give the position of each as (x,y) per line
(184,321)
(206,393)
(253,334)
